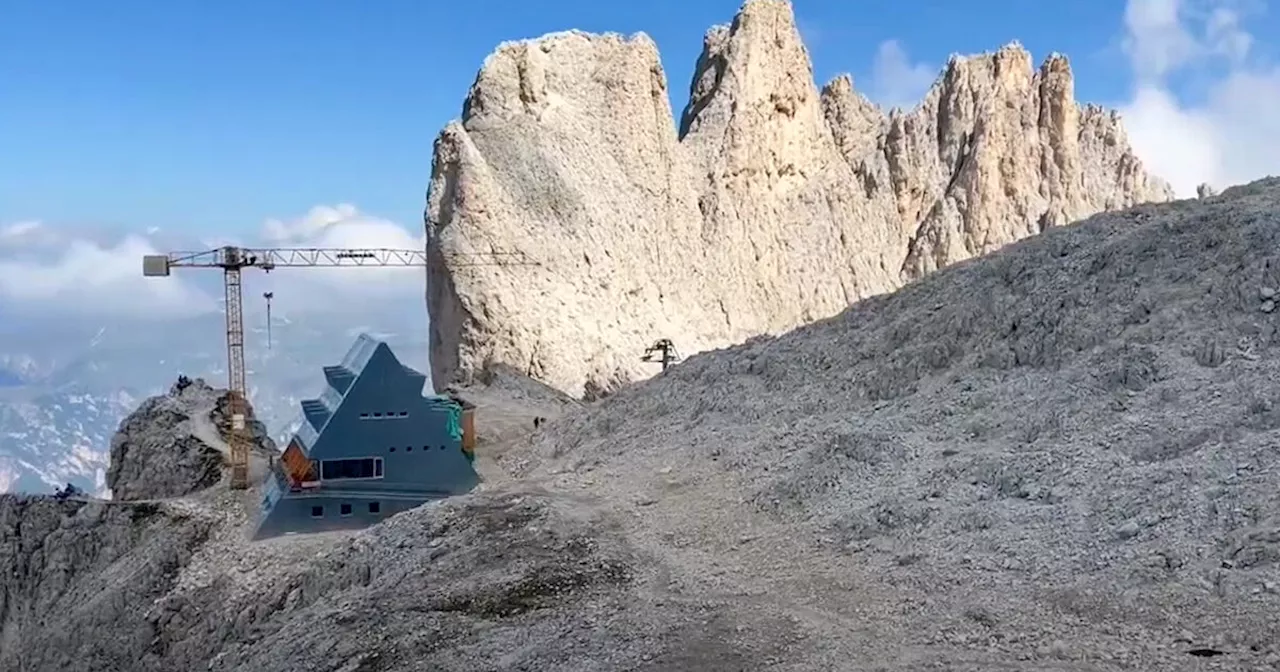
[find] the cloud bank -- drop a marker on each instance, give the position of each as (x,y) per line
(1228,135)
(45,270)
(895,80)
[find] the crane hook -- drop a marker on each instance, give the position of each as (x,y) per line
(268,296)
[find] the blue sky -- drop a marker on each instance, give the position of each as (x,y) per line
(213,116)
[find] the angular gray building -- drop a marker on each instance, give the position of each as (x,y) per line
(370,446)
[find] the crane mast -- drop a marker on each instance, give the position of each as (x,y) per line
(232,260)
(238,392)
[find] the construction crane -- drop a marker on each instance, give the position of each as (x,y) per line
(662,350)
(233,259)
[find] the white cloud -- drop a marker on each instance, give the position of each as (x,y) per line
(42,271)
(47,270)
(895,80)
(25,234)
(1232,133)
(1155,39)
(18,230)
(344,226)
(8,475)
(340,226)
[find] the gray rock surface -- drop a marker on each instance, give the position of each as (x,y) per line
(509,402)
(174,444)
(515,580)
(774,203)
(1063,453)
(82,578)
(1060,456)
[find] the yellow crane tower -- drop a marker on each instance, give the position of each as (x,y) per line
(233,259)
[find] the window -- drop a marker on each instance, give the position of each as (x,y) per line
(384,415)
(410,448)
(375,507)
(366,467)
(344,510)
(317,512)
(393,449)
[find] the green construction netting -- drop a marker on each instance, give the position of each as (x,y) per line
(455,415)
(455,422)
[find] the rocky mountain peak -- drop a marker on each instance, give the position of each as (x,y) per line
(174,444)
(771,204)
(531,77)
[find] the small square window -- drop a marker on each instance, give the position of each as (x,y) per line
(393,449)
(410,448)
(364,416)
(344,509)
(377,415)
(404,414)
(375,507)
(317,512)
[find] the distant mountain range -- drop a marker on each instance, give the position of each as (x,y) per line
(66,384)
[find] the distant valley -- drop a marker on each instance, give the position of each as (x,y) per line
(65,384)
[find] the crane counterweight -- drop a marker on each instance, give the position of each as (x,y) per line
(232,259)
(155,266)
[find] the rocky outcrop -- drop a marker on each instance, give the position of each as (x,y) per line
(82,579)
(174,444)
(774,204)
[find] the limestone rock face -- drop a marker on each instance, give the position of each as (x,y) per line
(773,204)
(999,151)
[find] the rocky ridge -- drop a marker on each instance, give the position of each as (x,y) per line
(509,578)
(770,205)
(1062,453)
(1060,456)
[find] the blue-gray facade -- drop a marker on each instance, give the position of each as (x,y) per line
(371,445)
